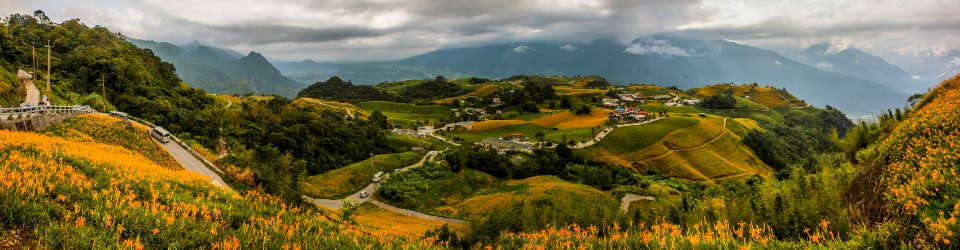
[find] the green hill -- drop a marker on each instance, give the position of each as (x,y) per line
(682,147)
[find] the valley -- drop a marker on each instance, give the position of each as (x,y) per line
(666,142)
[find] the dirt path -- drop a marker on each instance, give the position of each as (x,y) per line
(722,132)
(370,189)
(33,94)
(349,113)
(629,198)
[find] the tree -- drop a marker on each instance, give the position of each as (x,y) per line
(565,102)
(583,110)
(720,101)
(379,120)
(530,107)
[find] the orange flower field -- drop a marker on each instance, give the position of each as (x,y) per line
(90,192)
(921,161)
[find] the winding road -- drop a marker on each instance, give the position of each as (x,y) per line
(370,189)
(192,164)
(630,198)
(33,94)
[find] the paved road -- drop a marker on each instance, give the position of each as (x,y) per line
(33,94)
(192,164)
(370,189)
(628,198)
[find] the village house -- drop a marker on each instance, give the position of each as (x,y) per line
(611,102)
(424,131)
(403,131)
(496,101)
(516,137)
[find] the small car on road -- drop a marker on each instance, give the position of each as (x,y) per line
(364,194)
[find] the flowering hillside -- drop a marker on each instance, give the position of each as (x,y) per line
(921,161)
(83,194)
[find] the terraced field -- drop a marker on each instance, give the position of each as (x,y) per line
(575,127)
(566,90)
(683,147)
(765,96)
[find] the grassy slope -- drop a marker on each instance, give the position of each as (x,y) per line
(70,193)
(534,190)
(342,182)
(10,88)
(528,130)
(472,194)
(407,113)
(104,129)
(339,106)
(919,161)
(575,127)
(683,147)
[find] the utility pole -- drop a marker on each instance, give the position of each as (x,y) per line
(49,93)
(33,54)
(103,91)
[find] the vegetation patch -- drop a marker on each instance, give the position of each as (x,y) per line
(342,182)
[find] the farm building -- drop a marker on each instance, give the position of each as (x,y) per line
(501,144)
(611,102)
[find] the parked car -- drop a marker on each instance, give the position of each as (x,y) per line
(364,194)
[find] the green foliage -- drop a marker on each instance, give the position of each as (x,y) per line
(436,89)
(335,89)
(795,140)
(379,120)
(582,110)
(342,182)
(722,101)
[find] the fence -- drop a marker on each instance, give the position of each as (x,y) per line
(38,117)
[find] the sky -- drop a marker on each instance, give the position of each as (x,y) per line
(374,30)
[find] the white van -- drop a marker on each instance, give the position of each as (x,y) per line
(119,114)
(161,134)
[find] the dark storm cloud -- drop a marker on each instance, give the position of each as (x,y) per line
(266,34)
(414,26)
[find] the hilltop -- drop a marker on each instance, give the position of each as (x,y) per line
(223,71)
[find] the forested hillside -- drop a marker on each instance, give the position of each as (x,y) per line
(221,71)
(88,61)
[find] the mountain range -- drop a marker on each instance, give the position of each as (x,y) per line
(223,71)
(670,60)
(851,80)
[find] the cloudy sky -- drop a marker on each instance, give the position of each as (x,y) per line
(350,30)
